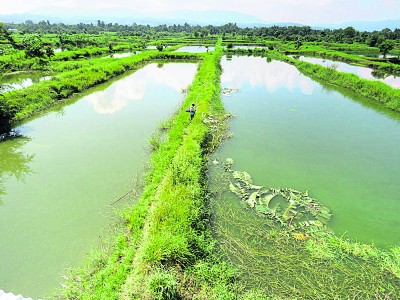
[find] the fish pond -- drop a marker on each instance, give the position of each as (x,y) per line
(20,80)
(59,177)
(292,132)
(120,55)
(308,145)
(195,49)
(362,72)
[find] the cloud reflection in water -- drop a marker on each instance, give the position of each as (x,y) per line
(272,75)
(133,87)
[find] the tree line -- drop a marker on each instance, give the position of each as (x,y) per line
(286,33)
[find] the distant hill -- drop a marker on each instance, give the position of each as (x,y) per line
(366,25)
(213,17)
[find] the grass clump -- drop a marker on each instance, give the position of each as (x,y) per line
(162,285)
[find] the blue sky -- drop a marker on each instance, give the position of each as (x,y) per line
(301,11)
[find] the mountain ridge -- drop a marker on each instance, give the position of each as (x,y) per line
(203,18)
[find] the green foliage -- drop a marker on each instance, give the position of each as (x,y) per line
(34,47)
(348,54)
(385,47)
(19,104)
(160,47)
(162,285)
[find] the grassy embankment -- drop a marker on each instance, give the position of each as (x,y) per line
(165,249)
(376,90)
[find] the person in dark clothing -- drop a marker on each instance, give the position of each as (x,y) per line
(192,111)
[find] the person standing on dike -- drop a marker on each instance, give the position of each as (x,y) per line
(192,111)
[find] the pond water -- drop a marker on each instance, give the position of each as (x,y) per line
(21,80)
(120,55)
(57,181)
(195,49)
(248,47)
(362,72)
(292,132)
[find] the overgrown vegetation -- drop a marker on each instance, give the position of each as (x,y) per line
(285,261)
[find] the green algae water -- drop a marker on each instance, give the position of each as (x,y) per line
(58,179)
(292,132)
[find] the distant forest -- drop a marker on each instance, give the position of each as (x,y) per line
(290,33)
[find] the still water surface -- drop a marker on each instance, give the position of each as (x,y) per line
(21,80)
(292,132)
(56,182)
(195,49)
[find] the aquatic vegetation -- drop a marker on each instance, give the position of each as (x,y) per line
(303,262)
(218,124)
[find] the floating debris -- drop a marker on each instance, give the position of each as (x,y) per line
(229,91)
(299,212)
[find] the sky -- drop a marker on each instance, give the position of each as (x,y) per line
(299,11)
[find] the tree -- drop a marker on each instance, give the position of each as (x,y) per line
(349,32)
(34,46)
(298,43)
(4,33)
(385,47)
(372,40)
